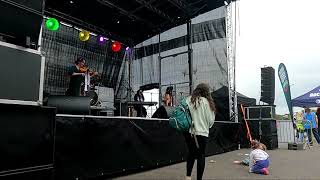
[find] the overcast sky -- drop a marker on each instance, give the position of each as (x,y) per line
(275,31)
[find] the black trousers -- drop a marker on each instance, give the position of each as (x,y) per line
(196,153)
(141,111)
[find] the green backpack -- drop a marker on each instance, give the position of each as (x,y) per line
(181,119)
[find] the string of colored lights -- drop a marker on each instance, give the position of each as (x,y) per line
(53,24)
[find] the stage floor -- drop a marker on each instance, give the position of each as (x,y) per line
(285,164)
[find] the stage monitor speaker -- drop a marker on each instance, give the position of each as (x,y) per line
(21,22)
(267,85)
(163,112)
(149,86)
(77,105)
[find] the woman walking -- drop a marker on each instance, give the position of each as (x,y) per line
(202,110)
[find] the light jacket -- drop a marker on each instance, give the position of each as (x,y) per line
(202,117)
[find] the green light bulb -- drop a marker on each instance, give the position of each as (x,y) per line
(52,24)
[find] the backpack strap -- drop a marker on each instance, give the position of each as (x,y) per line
(191,125)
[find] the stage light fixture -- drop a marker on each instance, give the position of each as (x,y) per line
(116,46)
(101,39)
(52,24)
(127,48)
(84,35)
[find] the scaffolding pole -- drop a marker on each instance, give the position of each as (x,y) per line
(159,59)
(190,59)
(231,37)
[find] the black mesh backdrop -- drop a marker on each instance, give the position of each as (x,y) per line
(61,48)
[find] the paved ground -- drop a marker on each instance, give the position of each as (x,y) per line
(285,165)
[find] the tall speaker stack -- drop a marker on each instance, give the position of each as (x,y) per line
(21,22)
(262,124)
(267,85)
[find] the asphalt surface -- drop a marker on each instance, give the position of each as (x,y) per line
(285,164)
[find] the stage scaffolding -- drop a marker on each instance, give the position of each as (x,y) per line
(198,59)
(231,59)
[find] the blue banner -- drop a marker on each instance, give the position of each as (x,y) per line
(284,79)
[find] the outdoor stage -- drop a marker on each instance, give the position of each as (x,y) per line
(80,146)
(37,144)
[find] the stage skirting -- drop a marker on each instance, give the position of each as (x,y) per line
(91,146)
(35,144)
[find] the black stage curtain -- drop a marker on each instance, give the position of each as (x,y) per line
(88,147)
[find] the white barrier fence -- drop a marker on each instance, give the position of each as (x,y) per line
(285,131)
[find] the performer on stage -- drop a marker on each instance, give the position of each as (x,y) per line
(141,111)
(76,77)
(168,99)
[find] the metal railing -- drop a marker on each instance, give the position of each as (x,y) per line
(285,131)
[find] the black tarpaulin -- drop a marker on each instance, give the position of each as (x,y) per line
(26,141)
(89,147)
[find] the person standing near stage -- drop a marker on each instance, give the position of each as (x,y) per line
(311,118)
(76,77)
(318,117)
(141,111)
(202,110)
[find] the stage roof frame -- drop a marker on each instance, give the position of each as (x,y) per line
(129,21)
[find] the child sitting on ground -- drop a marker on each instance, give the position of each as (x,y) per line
(259,159)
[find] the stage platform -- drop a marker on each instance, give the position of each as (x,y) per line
(285,165)
(85,147)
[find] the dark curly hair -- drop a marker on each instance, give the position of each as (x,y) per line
(202,90)
(79,59)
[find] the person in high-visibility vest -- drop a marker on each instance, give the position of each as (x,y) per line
(300,128)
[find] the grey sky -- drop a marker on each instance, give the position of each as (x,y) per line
(275,31)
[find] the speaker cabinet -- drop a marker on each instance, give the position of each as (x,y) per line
(267,85)
(260,112)
(163,112)
(270,141)
(21,21)
(25,85)
(265,131)
(121,108)
(77,105)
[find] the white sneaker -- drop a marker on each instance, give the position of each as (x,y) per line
(188,177)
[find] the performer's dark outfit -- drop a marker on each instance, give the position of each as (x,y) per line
(75,82)
(141,111)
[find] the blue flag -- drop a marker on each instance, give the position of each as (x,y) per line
(284,79)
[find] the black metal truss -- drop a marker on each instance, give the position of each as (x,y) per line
(181,4)
(143,5)
(154,9)
(126,13)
